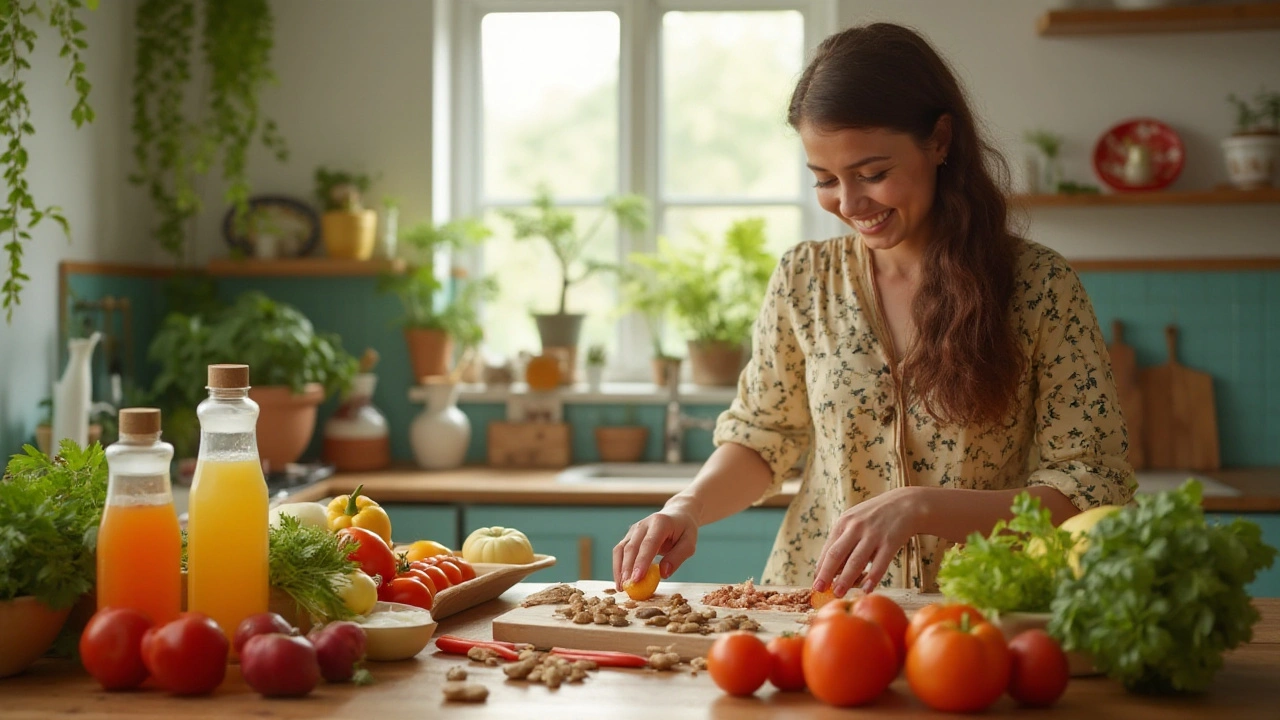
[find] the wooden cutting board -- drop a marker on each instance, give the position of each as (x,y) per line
(1124,369)
(541,627)
(1179,416)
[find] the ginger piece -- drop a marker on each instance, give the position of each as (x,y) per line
(554,595)
(664,660)
(697,664)
(456,673)
(465,692)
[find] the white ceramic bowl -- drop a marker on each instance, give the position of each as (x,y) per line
(1011,624)
(396,642)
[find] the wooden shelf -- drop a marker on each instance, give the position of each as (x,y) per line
(1192,18)
(302,267)
(1168,197)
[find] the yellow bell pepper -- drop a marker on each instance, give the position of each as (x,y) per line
(356,510)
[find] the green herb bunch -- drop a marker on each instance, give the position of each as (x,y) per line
(50,510)
(1016,568)
(309,565)
(1161,594)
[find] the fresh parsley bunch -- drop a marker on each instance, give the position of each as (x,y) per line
(50,510)
(1161,594)
(1015,569)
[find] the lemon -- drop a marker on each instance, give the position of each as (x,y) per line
(423,549)
(358,592)
(1079,527)
(643,588)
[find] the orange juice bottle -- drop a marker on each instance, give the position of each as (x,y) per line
(139,553)
(227,516)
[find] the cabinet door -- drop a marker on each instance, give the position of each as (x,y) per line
(733,549)
(419,521)
(1267,584)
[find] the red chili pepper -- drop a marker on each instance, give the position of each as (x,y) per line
(604,658)
(455,645)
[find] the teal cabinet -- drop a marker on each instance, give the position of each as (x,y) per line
(1267,584)
(416,521)
(582,540)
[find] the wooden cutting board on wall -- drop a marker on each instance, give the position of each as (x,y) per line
(1179,414)
(1124,369)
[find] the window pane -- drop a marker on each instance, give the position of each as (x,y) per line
(726,80)
(550,111)
(528,277)
(683,225)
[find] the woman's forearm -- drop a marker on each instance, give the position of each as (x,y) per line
(953,513)
(731,479)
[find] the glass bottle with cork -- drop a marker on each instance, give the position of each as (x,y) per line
(227,518)
(139,555)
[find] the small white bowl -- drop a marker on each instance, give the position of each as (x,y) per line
(400,641)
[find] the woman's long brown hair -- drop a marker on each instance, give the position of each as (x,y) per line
(965,362)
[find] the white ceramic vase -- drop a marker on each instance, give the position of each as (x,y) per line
(595,377)
(441,432)
(1251,159)
(73,394)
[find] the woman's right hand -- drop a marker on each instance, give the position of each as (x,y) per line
(671,533)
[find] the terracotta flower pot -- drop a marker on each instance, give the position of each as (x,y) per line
(27,628)
(621,444)
(349,234)
(716,364)
(286,421)
(662,366)
(429,352)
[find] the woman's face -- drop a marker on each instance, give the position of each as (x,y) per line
(878,182)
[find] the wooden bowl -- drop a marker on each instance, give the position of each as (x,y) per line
(27,628)
(398,642)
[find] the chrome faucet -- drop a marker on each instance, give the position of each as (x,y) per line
(677,422)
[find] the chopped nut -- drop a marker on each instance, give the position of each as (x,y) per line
(582,618)
(457,672)
(601,618)
(673,627)
(554,595)
(462,692)
(664,660)
(619,620)
(631,604)
(658,621)
(521,669)
(689,627)
(528,653)
(610,591)
(484,655)
(696,664)
(586,665)
(645,613)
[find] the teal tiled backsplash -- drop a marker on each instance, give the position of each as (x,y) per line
(1229,322)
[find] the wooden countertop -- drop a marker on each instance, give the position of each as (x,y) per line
(1244,688)
(1259,487)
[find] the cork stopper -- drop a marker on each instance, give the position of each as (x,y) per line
(228,377)
(139,421)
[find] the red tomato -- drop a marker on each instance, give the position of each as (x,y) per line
(787,650)
(438,577)
(409,591)
(848,660)
(739,662)
(1039,672)
(375,558)
(451,571)
(421,577)
(468,572)
(889,615)
(111,647)
(939,612)
(187,656)
(959,667)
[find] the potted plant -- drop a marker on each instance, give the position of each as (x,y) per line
(558,228)
(595,367)
(624,442)
(644,294)
(1048,168)
(1251,151)
(432,329)
(346,226)
(715,290)
(292,368)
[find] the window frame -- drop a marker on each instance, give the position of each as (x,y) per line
(459,184)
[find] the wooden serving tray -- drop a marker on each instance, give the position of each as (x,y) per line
(491,580)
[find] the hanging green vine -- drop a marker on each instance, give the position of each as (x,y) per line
(172,149)
(17,43)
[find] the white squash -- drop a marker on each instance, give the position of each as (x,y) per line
(497,545)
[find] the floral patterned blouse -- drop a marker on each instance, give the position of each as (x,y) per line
(819,388)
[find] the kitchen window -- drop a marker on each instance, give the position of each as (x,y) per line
(682,101)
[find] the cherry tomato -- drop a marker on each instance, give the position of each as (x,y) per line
(451,571)
(375,558)
(421,577)
(959,667)
(1039,671)
(739,663)
(438,577)
(848,660)
(787,650)
(409,591)
(111,647)
(468,571)
(187,656)
(939,612)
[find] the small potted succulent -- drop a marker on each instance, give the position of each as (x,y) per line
(1252,150)
(346,226)
(595,367)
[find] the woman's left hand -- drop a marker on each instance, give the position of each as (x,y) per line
(870,532)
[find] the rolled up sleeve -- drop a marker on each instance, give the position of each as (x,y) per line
(770,414)
(1080,432)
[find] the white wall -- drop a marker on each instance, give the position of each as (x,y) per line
(1081,86)
(354,94)
(83,171)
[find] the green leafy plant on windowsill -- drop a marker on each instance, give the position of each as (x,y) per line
(20,214)
(341,190)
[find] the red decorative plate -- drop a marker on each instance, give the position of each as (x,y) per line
(1139,154)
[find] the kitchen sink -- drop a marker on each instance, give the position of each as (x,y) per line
(630,472)
(1154,481)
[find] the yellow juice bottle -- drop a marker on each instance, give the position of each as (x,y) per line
(227,515)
